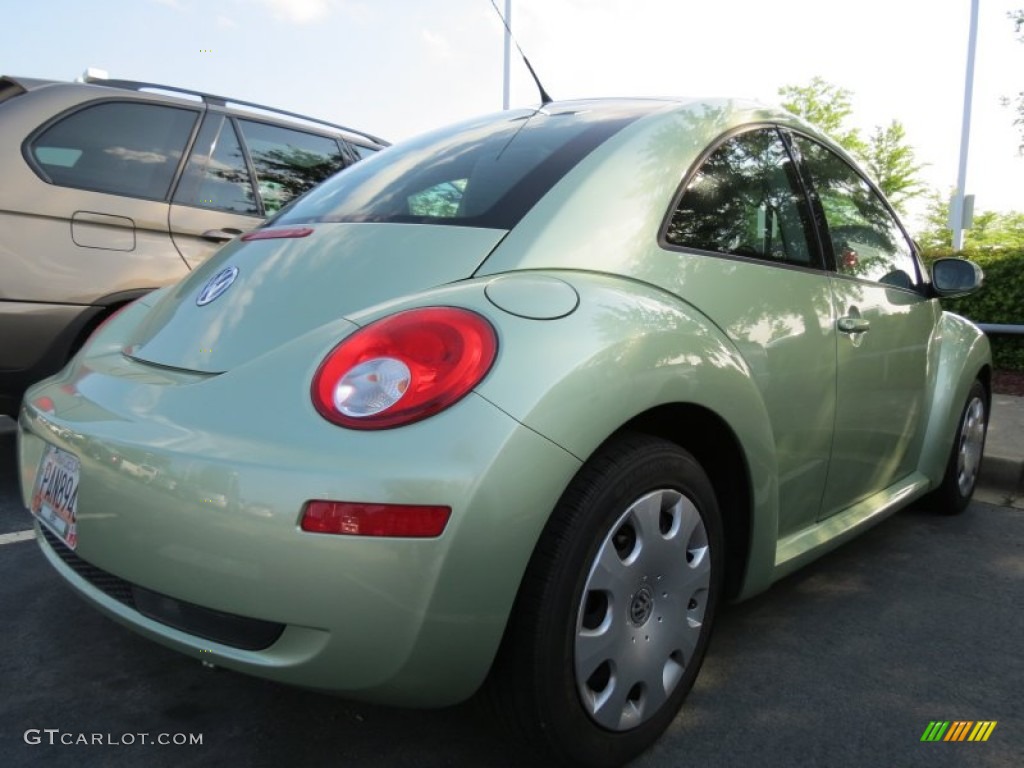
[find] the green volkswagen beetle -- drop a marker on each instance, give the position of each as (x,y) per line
(514,405)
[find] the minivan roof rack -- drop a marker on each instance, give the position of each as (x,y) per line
(222,101)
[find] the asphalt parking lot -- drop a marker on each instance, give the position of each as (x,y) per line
(845,663)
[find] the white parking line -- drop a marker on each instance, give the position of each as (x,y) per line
(12,538)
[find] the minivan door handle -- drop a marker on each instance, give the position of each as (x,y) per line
(221,235)
(854,324)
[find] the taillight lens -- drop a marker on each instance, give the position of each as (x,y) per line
(354,519)
(45,404)
(404,368)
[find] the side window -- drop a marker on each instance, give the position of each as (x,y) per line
(216,175)
(116,147)
(744,200)
(362,150)
(866,239)
(288,162)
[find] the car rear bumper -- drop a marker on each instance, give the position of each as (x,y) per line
(210,532)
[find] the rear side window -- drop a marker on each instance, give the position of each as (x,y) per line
(217,176)
(745,200)
(120,148)
(484,173)
(362,150)
(288,162)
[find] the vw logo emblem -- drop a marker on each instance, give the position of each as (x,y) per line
(216,285)
(641,607)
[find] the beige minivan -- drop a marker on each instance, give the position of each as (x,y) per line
(111,188)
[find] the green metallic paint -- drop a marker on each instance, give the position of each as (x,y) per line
(960,355)
(809,544)
(410,621)
(535,297)
(286,287)
(235,454)
(879,425)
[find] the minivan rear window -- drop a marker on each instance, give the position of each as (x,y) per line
(483,173)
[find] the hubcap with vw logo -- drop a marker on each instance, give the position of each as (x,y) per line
(642,609)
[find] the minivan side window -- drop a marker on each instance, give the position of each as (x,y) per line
(121,148)
(217,176)
(745,200)
(288,162)
(867,241)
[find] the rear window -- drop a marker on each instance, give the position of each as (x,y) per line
(484,173)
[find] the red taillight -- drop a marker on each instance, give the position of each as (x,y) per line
(354,519)
(404,368)
(44,404)
(272,233)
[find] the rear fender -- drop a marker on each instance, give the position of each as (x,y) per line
(629,348)
(624,349)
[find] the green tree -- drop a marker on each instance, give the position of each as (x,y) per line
(990,230)
(936,233)
(890,161)
(887,155)
(827,107)
(1018,19)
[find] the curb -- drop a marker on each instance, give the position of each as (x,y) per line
(1002,468)
(1002,475)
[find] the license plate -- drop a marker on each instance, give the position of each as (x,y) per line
(55,498)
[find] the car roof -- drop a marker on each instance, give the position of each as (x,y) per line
(178,95)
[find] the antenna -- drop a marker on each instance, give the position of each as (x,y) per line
(545,99)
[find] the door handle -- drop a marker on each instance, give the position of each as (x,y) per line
(221,235)
(854,324)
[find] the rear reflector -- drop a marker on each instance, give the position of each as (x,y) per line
(277,233)
(44,404)
(356,519)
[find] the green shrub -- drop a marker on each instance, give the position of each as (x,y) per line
(1000,300)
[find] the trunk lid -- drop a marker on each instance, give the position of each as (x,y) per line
(286,287)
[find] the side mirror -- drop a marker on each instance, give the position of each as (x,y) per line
(956,277)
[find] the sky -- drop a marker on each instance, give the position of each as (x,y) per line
(396,68)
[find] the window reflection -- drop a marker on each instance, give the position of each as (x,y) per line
(217,176)
(226,182)
(116,147)
(288,162)
(866,240)
(744,200)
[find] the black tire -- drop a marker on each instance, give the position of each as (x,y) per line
(655,492)
(964,465)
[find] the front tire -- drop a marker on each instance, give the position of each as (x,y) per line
(964,465)
(615,611)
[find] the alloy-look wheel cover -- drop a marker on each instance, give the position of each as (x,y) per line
(642,610)
(972,441)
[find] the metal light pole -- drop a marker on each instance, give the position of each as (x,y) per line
(508,53)
(956,209)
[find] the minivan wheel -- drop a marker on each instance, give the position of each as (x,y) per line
(615,611)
